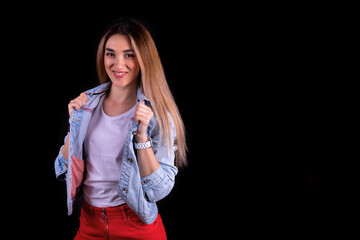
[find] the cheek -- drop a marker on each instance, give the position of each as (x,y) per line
(134,65)
(108,63)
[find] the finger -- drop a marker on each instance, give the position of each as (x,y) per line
(143,118)
(80,101)
(72,104)
(70,111)
(84,97)
(138,117)
(76,105)
(144,108)
(143,115)
(141,111)
(143,103)
(71,107)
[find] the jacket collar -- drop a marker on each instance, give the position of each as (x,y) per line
(103,88)
(99,89)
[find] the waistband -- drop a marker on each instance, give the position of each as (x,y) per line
(118,211)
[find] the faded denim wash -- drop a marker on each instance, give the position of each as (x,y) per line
(140,193)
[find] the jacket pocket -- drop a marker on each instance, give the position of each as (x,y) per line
(77,173)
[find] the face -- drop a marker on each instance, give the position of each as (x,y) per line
(120,61)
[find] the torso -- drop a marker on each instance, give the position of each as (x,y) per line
(103,152)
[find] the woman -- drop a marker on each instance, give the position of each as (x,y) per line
(130,136)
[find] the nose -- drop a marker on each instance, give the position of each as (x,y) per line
(119,63)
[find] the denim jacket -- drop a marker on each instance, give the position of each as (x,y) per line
(140,193)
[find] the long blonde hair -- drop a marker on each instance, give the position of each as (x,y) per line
(152,81)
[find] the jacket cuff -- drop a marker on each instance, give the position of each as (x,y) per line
(150,181)
(61,166)
(157,185)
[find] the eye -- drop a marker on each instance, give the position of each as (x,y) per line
(110,54)
(129,55)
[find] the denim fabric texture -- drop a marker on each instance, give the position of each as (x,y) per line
(140,193)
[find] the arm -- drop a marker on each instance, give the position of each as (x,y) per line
(156,165)
(77,103)
(160,182)
(146,157)
(61,162)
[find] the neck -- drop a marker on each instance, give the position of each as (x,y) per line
(120,95)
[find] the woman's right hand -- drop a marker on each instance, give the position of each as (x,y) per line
(77,103)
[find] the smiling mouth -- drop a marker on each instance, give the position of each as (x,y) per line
(119,74)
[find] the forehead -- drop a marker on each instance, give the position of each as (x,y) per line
(118,42)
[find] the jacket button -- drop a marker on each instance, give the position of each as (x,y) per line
(129,160)
(124,190)
(145,181)
(134,132)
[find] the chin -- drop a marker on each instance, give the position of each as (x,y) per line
(122,82)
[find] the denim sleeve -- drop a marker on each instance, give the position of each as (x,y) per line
(159,184)
(61,165)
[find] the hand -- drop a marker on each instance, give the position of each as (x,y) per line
(143,115)
(77,103)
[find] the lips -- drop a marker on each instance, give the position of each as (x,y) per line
(119,74)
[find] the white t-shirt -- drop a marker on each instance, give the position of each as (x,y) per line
(103,149)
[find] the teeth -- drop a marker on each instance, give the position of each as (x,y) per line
(119,73)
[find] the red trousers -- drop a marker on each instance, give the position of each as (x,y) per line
(116,223)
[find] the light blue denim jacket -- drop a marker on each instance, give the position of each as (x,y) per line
(140,193)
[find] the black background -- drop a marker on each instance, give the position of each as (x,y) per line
(258,95)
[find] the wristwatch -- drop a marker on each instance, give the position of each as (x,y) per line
(144,145)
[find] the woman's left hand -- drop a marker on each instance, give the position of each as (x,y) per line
(143,114)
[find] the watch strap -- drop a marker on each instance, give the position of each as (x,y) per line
(144,145)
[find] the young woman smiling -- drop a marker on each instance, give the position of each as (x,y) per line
(130,136)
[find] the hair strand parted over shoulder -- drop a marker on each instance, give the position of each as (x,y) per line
(153,82)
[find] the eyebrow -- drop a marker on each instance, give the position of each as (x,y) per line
(124,51)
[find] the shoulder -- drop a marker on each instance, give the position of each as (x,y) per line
(98,89)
